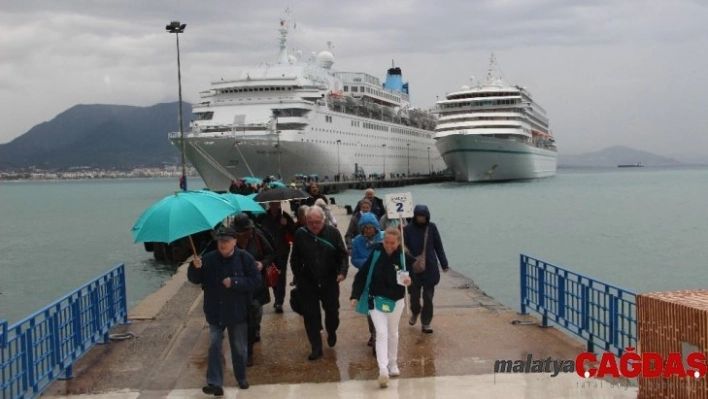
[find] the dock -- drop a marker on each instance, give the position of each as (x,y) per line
(167,356)
(332,187)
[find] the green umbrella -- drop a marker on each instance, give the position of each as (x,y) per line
(243,203)
(180,215)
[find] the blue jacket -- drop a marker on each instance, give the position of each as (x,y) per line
(361,246)
(413,236)
(226,306)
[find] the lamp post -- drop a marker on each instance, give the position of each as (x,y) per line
(429,170)
(409,160)
(177,28)
(339,173)
(384,159)
(276,112)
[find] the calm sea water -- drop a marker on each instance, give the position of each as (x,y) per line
(641,229)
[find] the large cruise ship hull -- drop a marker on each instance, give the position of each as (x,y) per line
(474,158)
(222,159)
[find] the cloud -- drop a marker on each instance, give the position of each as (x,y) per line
(607,72)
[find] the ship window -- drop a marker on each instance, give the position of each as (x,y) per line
(355,89)
(203,116)
(346,88)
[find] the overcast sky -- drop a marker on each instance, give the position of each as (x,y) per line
(607,72)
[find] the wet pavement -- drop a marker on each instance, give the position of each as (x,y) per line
(167,358)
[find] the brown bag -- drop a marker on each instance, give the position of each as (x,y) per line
(419,265)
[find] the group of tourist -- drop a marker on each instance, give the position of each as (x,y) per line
(233,278)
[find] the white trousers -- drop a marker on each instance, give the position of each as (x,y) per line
(386,325)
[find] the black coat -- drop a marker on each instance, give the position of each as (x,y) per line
(261,250)
(226,306)
(383,278)
(316,261)
(281,234)
(414,236)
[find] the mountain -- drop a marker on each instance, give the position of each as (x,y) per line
(613,156)
(99,135)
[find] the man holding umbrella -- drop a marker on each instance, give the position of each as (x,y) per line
(228,277)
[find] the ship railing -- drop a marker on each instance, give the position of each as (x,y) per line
(601,314)
(43,346)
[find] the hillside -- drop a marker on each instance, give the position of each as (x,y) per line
(613,156)
(98,135)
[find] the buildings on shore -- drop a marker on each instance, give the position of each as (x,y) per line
(84,173)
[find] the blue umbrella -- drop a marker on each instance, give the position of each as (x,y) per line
(180,215)
(252,180)
(276,183)
(244,203)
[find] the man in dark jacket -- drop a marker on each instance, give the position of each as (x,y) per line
(377,205)
(281,227)
(228,277)
(314,195)
(252,240)
(319,261)
(414,236)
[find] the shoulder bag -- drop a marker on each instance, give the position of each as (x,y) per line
(363,305)
(419,265)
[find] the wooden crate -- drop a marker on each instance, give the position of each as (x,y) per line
(677,322)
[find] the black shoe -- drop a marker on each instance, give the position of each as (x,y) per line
(257,338)
(212,389)
(413,319)
(316,354)
(332,339)
(243,384)
(427,329)
(371,342)
(278,308)
(249,360)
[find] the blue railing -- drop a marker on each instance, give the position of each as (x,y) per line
(603,315)
(42,347)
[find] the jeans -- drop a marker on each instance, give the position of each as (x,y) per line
(238,337)
(426,313)
(387,336)
(255,315)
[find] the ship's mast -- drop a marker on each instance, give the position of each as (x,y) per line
(283,56)
(492,68)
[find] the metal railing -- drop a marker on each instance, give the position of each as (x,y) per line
(603,315)
(43,346)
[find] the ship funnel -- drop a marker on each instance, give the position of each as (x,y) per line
(394,80)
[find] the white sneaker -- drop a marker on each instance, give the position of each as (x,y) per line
(383,379)
(393,371)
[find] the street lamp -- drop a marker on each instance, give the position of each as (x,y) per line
(429,170)
(339,173)
(384,157)
(276,112)
(409,159)
(177,28)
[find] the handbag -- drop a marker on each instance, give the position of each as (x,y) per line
(419,265)
(383,304)
(272,276)
(363,305)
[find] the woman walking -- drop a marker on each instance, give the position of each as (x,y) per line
(386,299)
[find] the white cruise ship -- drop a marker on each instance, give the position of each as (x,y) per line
(299,116)
(494,132)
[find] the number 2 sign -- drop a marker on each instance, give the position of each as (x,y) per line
(399,205)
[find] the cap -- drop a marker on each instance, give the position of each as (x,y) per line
(242,223)
(225,233)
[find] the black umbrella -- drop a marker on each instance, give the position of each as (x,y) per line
(280,194)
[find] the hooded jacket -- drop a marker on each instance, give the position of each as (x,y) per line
(362,246)
(414,236)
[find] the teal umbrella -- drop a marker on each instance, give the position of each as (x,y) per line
(252,180)
(277,183)
(180,215)
(244,203)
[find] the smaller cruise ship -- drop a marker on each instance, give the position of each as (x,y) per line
(494,132)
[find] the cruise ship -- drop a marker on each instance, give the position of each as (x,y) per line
(494,132)
(298,116)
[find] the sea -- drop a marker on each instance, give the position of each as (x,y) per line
(642,229)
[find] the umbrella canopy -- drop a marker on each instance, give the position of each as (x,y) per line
(276,183)
(244,203)
(280,194)
(252,180)
(181,214)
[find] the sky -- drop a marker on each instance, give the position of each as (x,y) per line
(607,72)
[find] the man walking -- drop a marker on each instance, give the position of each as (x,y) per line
(228,277)
(319,262)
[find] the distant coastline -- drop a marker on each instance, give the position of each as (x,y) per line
(95,174)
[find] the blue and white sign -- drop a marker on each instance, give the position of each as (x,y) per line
(399,205)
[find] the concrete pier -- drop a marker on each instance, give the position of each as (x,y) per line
(167,359)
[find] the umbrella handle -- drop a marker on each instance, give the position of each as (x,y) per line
(193,248)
